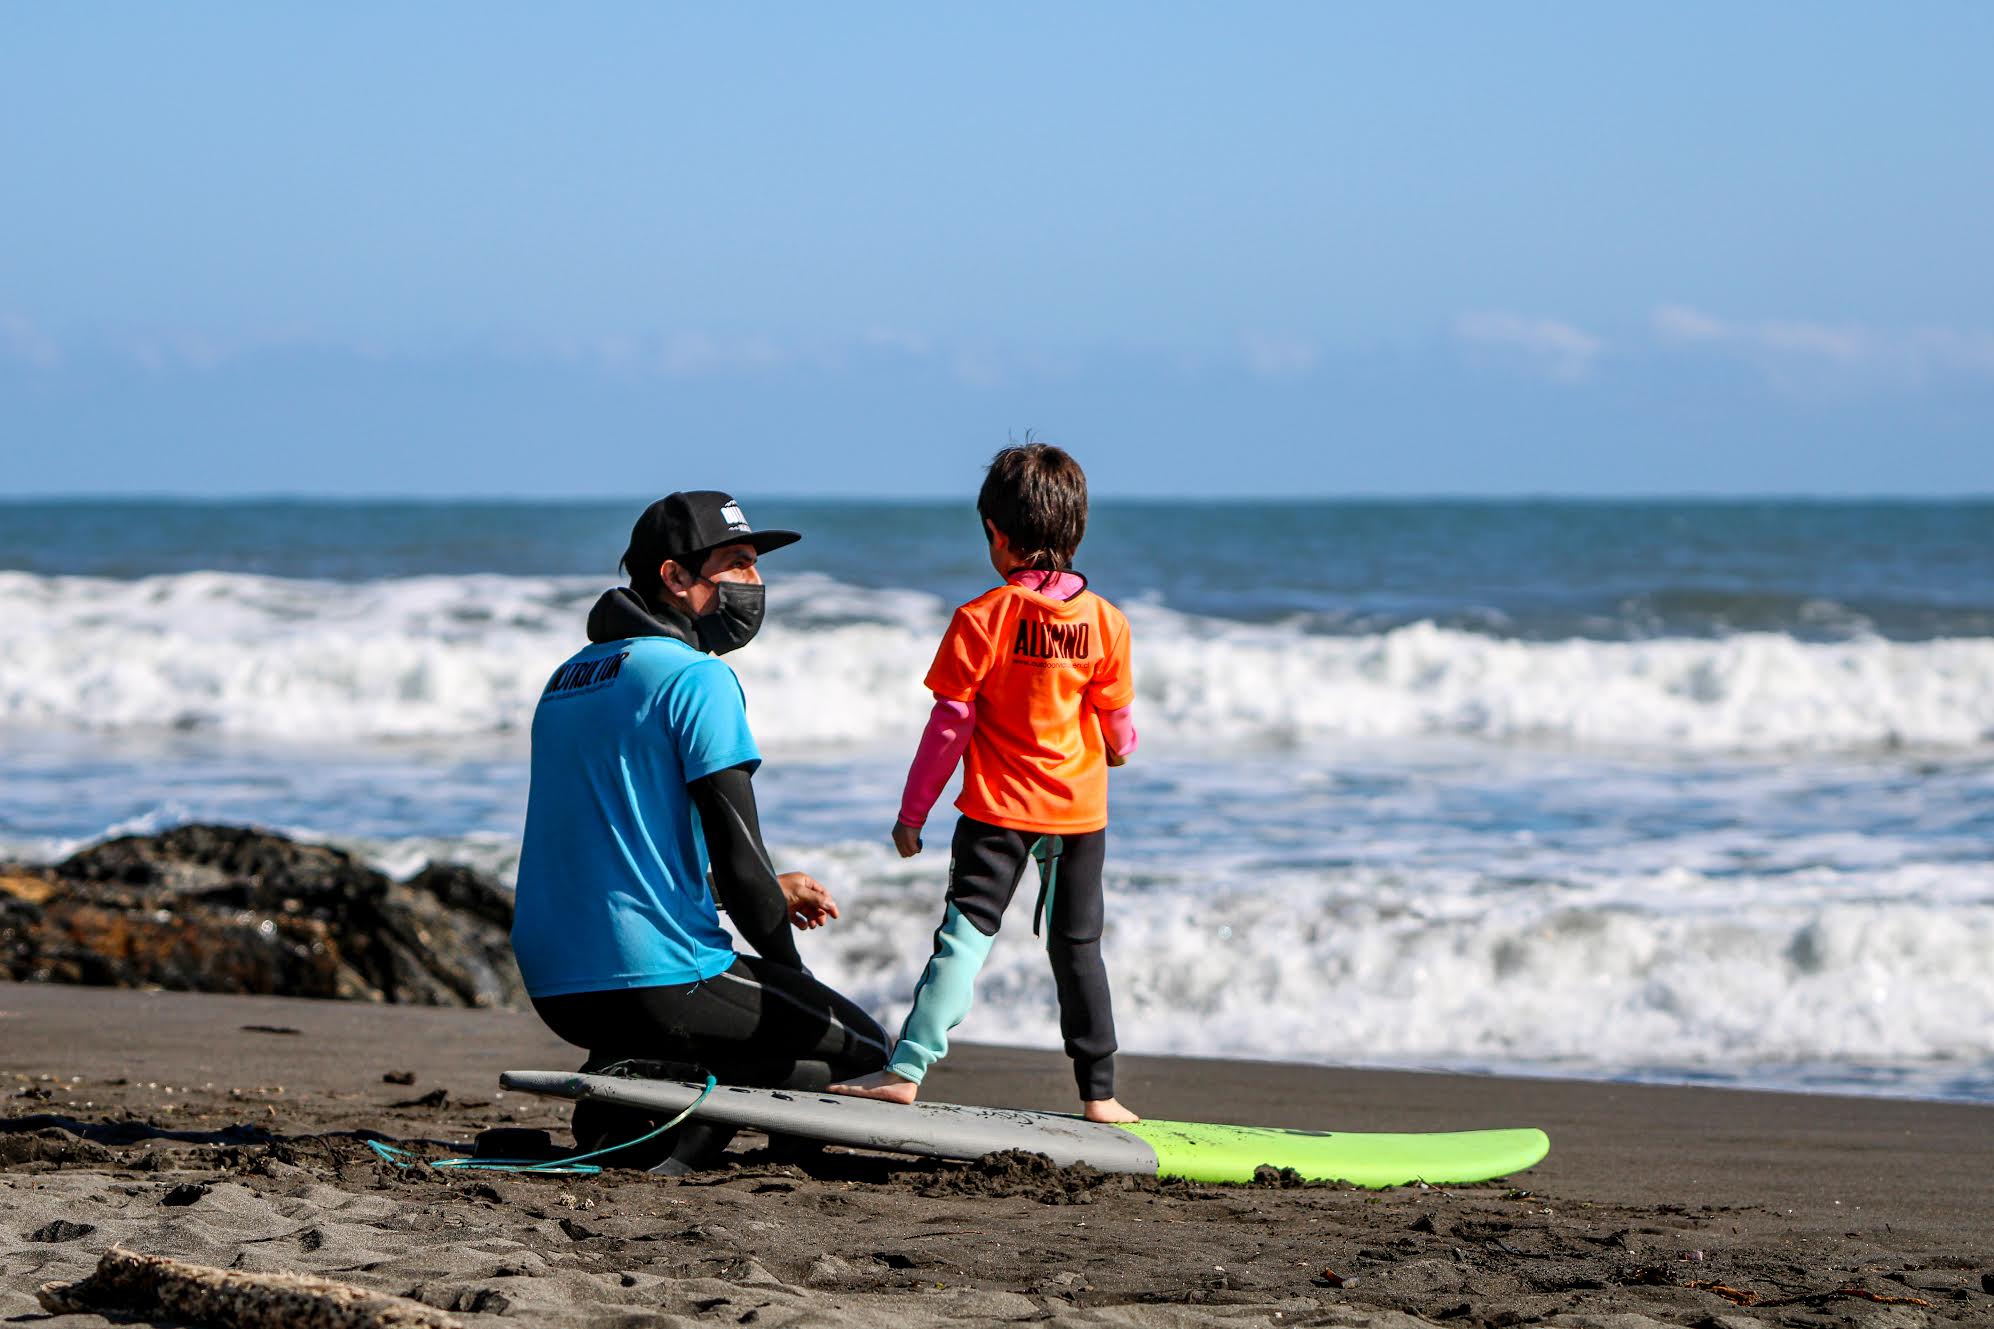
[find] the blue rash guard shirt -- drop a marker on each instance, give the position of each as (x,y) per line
(612,873)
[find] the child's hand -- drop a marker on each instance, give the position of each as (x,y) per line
(907,839)
(810,905)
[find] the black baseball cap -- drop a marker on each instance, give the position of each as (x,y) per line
(691,522)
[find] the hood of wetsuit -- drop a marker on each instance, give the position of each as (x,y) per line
(622,613)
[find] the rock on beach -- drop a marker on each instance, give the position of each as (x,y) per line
(230,909)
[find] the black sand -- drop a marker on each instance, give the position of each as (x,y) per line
(224,1130)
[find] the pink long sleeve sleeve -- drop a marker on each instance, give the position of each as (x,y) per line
(1118,728)
(942,745)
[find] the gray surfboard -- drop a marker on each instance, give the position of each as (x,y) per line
(930,1130)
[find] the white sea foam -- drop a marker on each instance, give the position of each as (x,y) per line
(459,656)
(1849,960)
(1391,967)
(1598,971)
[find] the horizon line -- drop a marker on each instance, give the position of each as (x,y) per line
(192,498)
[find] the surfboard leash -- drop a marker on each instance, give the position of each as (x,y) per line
(576,1165)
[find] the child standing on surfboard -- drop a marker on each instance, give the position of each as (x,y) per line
(1032,693)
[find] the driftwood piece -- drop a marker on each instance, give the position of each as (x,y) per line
(197,1294)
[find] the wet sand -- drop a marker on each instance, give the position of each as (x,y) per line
(224,1130)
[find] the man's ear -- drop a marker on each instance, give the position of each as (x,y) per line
(674,576)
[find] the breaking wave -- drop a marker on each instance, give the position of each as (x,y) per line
(1736,978)
(444,657)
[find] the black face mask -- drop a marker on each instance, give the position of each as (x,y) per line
(735,618)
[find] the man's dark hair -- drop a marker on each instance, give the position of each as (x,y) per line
(1036,494)
(645,581)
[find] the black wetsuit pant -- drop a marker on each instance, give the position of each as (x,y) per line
(986,864)
(758,1023)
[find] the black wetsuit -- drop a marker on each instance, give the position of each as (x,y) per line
(986,863)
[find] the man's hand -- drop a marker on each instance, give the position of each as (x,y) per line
(810,905)
(907,839)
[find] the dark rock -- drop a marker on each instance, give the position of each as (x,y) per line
(1929,1280)
(62,1230)
(228,909)
(466,890)
(1987,1284)
(435,1098)
(28,1140)
(712,1234)
(185,1194)
(398,1077)
(481,1301)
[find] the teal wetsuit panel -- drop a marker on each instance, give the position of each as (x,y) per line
(942,997)
(1045,852)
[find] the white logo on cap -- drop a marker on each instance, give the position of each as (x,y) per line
(731,513)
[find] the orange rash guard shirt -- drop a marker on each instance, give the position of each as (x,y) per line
(1037,670)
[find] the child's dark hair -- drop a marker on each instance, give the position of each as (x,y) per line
(1036,494)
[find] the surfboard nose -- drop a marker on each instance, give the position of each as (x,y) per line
(1197,1151)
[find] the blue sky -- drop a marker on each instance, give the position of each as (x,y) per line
(1238,249)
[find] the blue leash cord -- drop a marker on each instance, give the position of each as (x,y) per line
(576,1166)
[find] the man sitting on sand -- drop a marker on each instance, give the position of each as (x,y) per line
(616,930)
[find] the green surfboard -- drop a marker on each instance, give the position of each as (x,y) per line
(1200,1152)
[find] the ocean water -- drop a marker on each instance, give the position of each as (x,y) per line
(1679,791)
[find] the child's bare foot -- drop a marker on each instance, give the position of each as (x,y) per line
(880,1084)
(1108,1110)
